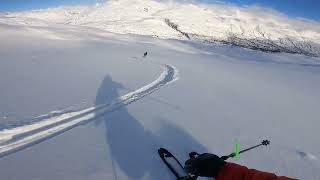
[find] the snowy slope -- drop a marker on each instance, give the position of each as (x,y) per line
(250,27)
(22,137)
(51,60)
(146,17)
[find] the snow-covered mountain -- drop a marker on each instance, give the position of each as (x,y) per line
(250,27)
(79,100)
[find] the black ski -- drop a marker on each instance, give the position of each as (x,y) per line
(174,165)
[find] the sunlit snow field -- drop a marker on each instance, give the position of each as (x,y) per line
(223,94)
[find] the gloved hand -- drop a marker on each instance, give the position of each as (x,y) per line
(207,165)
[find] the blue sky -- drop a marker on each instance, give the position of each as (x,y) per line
(295,8)
(18,5)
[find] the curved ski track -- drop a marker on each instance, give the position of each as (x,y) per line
(19,138)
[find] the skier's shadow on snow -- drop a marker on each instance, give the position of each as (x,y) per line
(132,147)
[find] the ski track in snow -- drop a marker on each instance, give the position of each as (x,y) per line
(19,138)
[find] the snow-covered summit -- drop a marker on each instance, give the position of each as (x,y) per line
(147,17)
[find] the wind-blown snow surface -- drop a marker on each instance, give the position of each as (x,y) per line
(223,94)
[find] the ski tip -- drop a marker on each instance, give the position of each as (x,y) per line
(164,152)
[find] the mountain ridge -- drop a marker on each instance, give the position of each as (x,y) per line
(249,27)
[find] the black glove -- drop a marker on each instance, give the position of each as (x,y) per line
(207,165)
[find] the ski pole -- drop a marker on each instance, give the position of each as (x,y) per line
(264,142)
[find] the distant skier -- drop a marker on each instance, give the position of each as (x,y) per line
(145,54)
(210,165)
